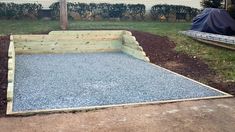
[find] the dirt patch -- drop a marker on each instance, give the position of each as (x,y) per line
(160,51)
(4,45)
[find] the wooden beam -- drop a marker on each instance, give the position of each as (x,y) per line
(9,107)
(11,75)
(67,47)
(63,15)
(11,50)
(11,63)
(90,108)
(135,53)
(230,47)
(131,47)
(87,32)
(68,38)
(127,33)
(10,89)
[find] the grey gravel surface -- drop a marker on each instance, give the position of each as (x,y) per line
(52,81)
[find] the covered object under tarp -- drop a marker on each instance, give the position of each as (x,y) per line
(216,21)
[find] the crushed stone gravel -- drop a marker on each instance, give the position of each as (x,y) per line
(54,81)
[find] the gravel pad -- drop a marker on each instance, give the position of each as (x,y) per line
(53,81)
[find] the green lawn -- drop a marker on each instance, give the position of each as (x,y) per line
(221,60)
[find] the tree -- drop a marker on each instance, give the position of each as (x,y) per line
(211,3)
(63,15)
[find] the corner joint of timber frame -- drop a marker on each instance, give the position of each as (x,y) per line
(131,47)
(11,75)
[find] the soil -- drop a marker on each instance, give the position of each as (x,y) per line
(159,49)
(4,45)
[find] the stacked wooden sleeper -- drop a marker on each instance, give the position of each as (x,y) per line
(11,74)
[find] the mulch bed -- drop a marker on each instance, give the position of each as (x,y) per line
(160,50)
(4,45)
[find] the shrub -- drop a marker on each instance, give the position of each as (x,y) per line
(211,3)
(19,11)
(55,7)
(101,10)
(2,9)
(136,10)
(173,10)
(117,10)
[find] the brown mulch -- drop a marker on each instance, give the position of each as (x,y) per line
(4,45)
(160,51)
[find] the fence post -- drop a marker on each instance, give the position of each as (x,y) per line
(63,15)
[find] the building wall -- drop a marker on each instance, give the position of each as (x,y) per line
(148,3)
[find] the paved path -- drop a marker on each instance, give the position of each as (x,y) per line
(216,115)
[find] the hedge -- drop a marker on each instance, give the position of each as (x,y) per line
(136,10)
(93,11)
(18,11)
(101,11)
(173,10)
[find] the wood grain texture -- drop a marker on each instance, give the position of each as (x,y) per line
(67,47)
(70,42)
(87,32)
(44,38)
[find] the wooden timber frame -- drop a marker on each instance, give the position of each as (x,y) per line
(131,47)
(232,47)
(80,42)
(11,75)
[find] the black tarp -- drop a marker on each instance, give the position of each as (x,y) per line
(216,21)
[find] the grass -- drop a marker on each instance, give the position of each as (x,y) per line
(221,60)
